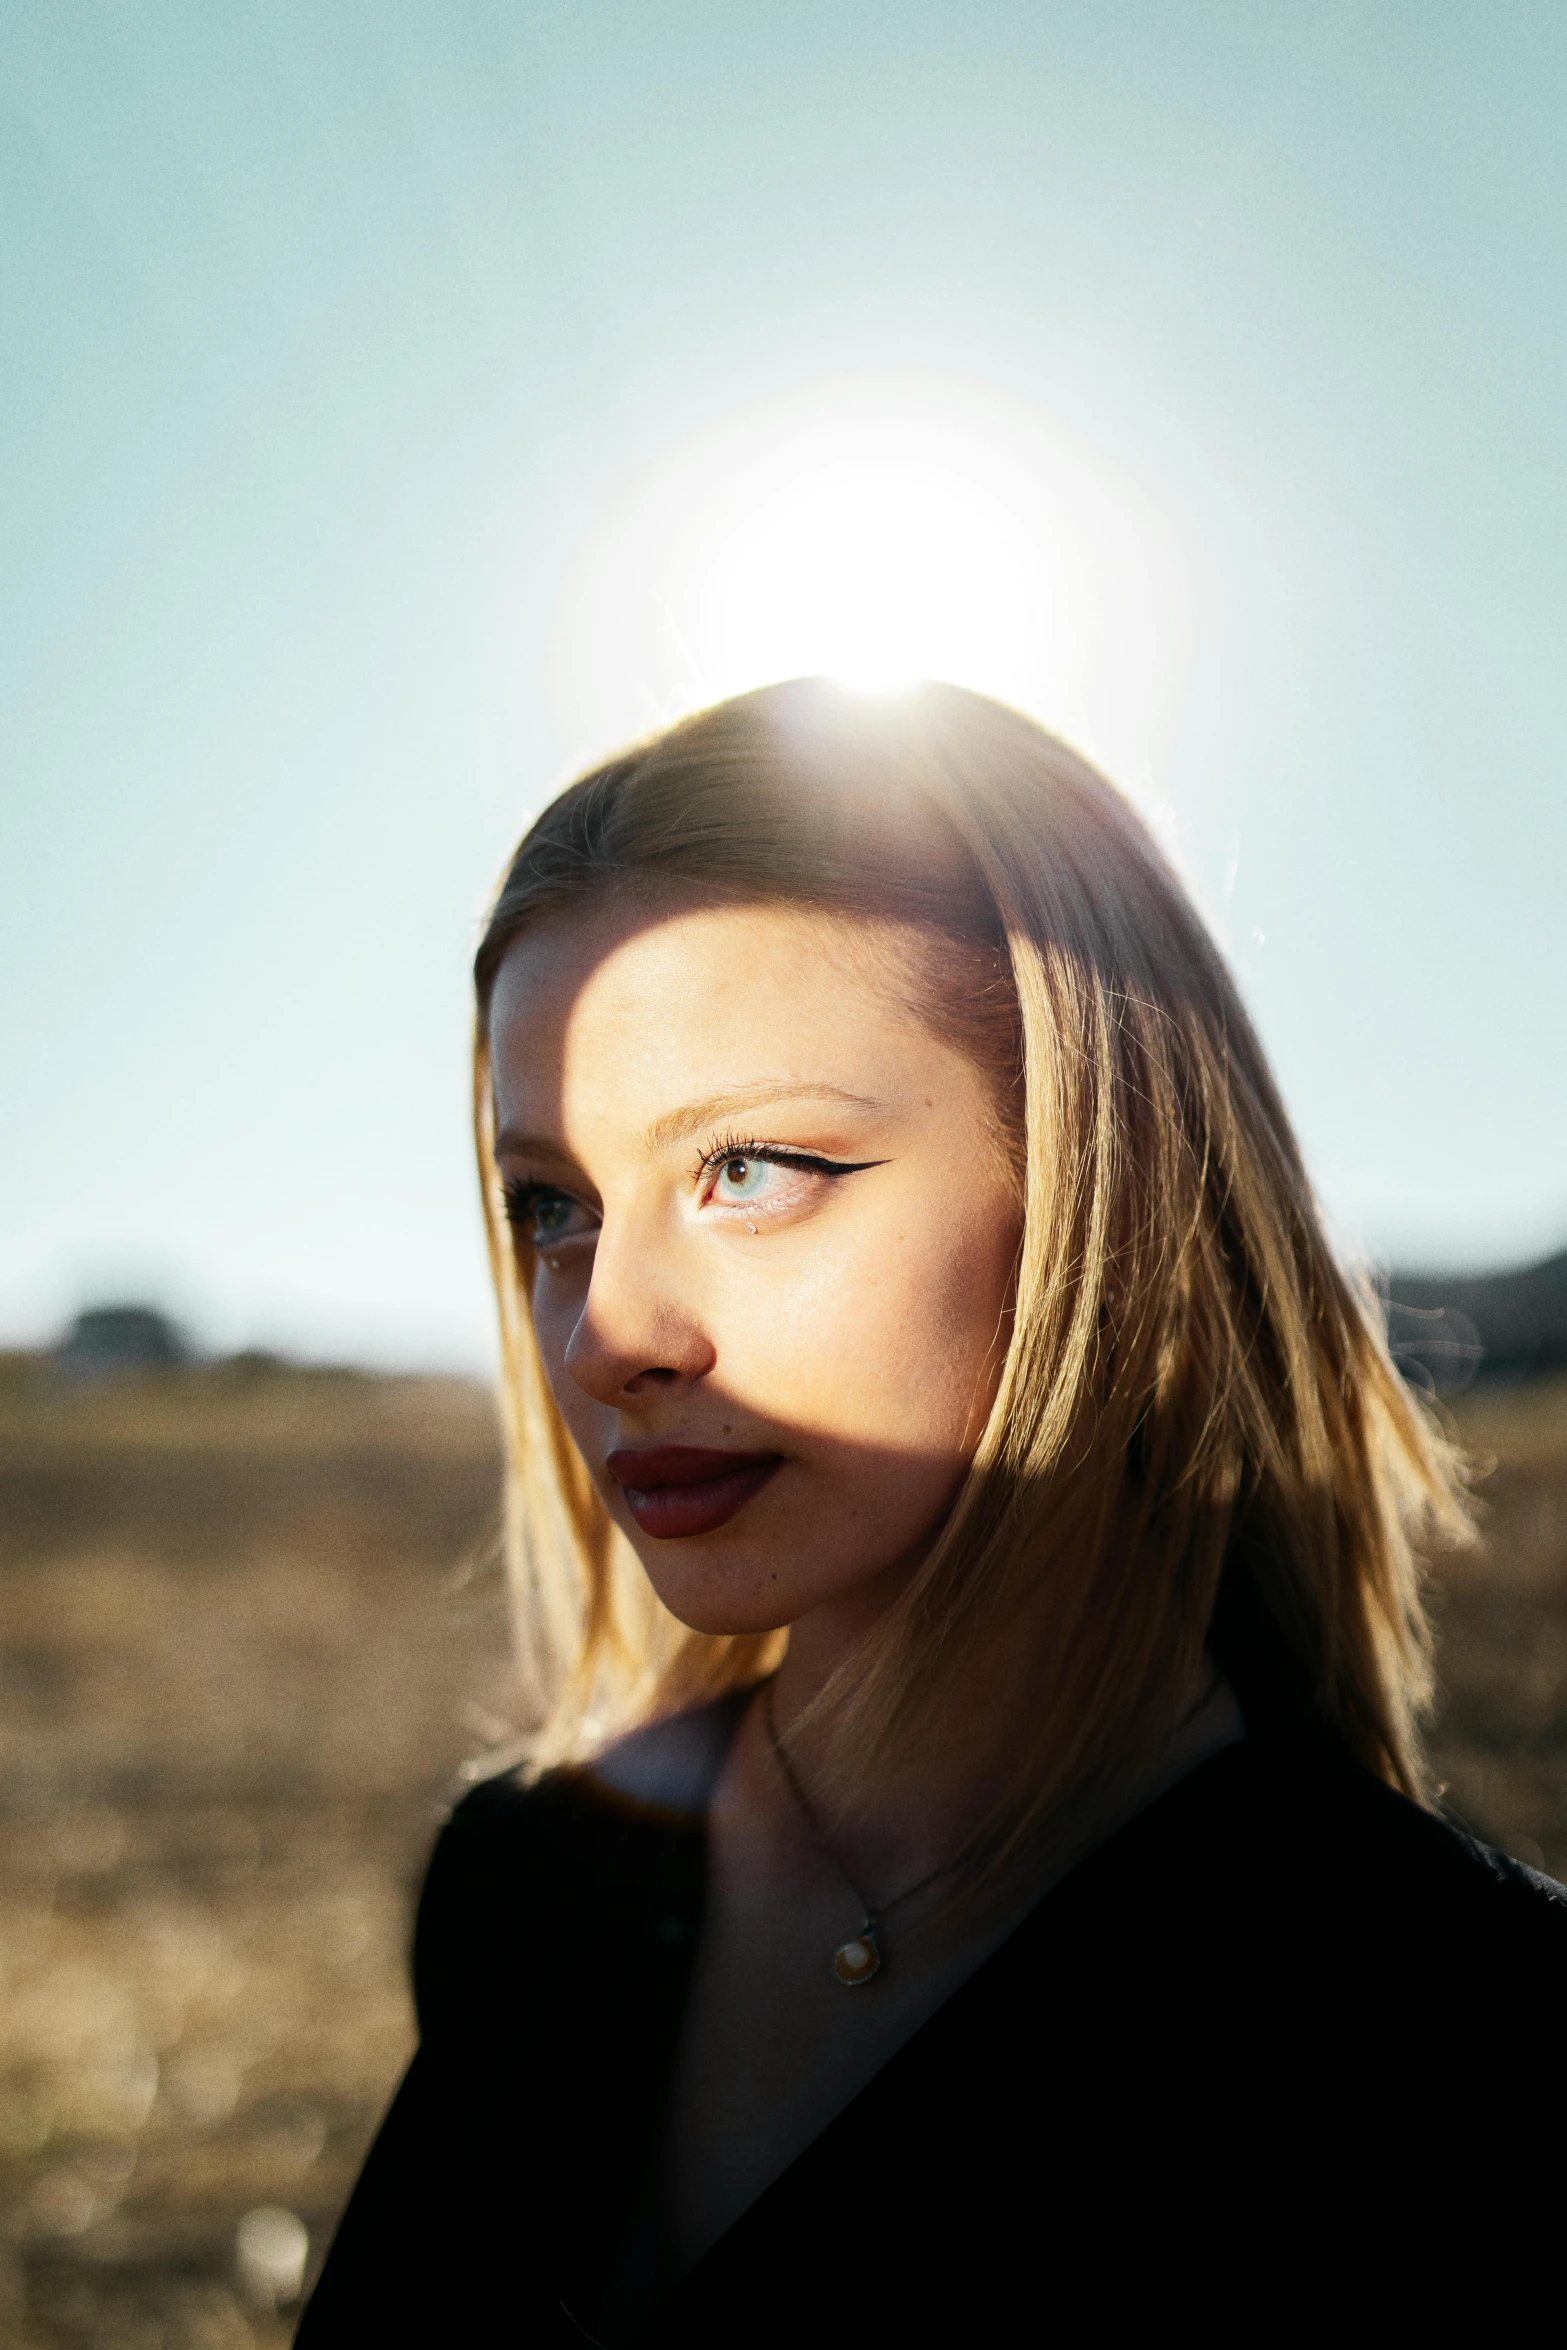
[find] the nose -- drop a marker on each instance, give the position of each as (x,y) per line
(635,1333)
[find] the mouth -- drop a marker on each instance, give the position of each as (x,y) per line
(675,1490)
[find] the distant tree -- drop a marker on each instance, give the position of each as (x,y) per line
(104,1340)
(1510,1325)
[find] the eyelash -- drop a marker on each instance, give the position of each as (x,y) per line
(771,1154)
(521,1195)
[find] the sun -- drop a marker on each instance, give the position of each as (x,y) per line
(881,533)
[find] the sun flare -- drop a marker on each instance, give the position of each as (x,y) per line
(880,535)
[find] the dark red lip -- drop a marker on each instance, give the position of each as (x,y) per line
(675,1490)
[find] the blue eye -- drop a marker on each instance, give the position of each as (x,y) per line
(741,1179)
(545,1216)
(754,1174)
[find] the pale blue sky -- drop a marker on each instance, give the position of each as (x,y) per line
(337,335)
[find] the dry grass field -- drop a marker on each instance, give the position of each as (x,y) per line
(250,1628)
(248,1632)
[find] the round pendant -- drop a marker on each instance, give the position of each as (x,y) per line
(857,1961)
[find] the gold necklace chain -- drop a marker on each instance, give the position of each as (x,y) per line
(860,1959)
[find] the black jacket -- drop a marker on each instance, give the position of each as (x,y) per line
(1282,2057)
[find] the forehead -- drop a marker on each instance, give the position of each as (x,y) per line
(636,1006)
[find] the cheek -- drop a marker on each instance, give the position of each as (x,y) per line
(896,1337)
(944,1327)
(554,1318)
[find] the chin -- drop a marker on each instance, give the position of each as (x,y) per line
(728,1599)
(723,1615)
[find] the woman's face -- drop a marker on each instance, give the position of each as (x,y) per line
(774,1238)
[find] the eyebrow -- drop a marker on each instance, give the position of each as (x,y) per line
(679,1125)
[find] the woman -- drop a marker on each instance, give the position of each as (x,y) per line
(976,1875)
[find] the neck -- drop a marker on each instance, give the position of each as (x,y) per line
(922,1810)
(914,1811)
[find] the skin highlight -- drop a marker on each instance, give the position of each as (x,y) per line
(841,1308)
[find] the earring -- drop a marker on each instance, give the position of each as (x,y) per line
(750,1227)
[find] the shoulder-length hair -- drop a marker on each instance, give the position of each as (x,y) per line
(1198,1436)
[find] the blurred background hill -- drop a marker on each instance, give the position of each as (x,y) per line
(1489,1326)
(251,1635)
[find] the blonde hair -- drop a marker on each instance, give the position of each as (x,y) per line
(1198,1437)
